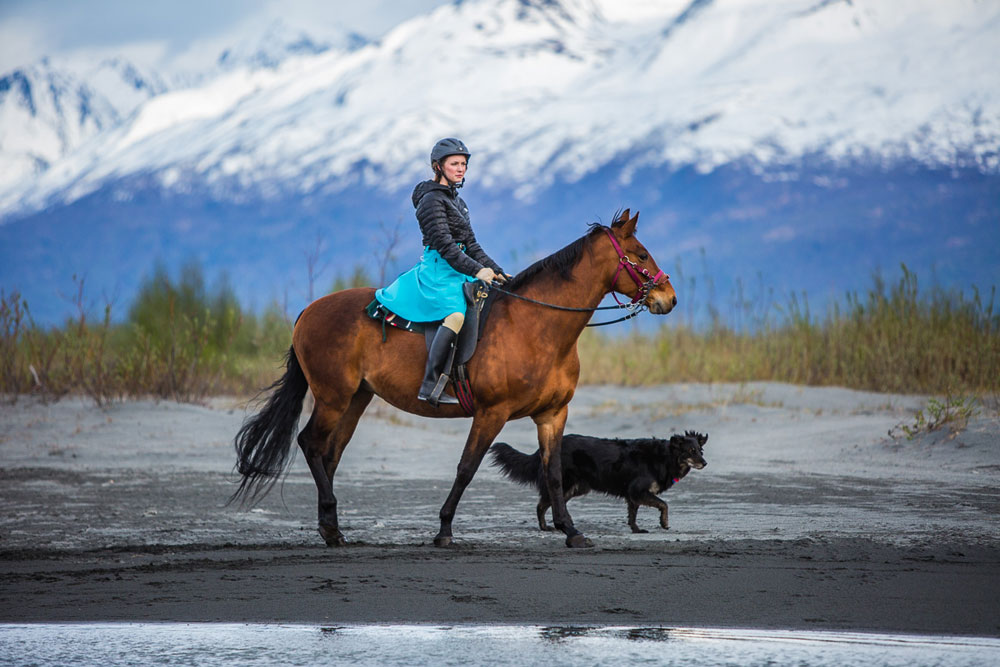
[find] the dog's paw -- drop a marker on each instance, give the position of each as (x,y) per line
(639,530)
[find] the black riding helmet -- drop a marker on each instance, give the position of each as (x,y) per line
(449,146)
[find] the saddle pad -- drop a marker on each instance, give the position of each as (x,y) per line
(380,313)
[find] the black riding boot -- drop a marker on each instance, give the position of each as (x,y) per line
(437,368)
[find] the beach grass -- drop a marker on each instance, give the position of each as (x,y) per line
(183,341)
(892,338)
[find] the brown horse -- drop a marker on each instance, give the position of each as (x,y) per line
(526,365)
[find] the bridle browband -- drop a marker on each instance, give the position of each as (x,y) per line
(635,306)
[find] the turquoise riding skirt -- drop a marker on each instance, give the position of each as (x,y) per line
(429,292)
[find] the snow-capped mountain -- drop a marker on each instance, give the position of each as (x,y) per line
(808,142)
(281,41)
(47,112)
(49,109)
(555,89)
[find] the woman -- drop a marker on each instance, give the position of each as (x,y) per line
(432,290)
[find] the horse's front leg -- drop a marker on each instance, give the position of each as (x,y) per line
(485,427)
(550,431)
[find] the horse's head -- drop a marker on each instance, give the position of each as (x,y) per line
(637,270)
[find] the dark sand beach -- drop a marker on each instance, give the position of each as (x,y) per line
(808,516)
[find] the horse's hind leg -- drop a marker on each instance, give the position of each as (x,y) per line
(323,441)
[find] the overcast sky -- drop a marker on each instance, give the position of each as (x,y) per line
(155,31)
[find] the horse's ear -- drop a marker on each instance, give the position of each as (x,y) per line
(628,224)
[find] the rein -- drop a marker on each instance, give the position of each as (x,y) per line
(635,310)
(635,306)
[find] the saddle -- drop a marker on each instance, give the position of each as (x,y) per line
(480,300)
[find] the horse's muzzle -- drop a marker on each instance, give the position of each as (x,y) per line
(661,304)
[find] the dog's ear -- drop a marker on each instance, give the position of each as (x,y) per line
(702,438)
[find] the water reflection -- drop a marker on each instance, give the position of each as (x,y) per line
(648,634)
(557,633)
(497,645)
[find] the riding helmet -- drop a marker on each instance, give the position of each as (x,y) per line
(449,146)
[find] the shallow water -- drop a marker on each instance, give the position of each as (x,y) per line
(264,644)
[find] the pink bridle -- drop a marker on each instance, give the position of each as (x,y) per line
(634,270)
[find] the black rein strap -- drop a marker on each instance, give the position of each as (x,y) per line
(635,308)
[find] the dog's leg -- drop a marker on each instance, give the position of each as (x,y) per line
(544,503)
(543,507)
(633,510)
(648,499)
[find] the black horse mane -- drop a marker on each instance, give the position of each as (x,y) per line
(559,263)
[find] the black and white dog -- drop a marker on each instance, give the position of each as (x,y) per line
(635,469)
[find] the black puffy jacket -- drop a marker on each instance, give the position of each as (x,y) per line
(444,222)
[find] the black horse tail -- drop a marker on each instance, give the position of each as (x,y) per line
(265,440)
(518,467)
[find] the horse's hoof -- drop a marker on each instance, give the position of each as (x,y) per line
(333,538)
(442,541)
(578,541)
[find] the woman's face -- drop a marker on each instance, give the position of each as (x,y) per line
(454,167)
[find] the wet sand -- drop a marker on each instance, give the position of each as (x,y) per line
(808,516)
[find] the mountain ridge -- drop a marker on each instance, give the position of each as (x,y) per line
(542,80)
(787,129)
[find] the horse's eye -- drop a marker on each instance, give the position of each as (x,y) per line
(643,257)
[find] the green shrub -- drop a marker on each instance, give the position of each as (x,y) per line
(359,277)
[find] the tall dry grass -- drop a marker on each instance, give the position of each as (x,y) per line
(893,338)
(183,341)
(179,341)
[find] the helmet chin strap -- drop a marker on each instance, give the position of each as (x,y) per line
(451,184)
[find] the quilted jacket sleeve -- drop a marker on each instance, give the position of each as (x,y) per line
(474,250)
(433,219)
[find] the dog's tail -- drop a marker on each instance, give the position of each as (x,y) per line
(516,466)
